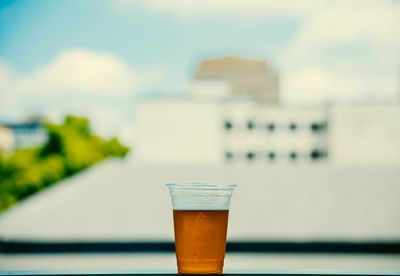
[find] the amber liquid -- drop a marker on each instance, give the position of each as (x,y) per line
(200,240)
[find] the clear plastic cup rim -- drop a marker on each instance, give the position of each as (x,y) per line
(200,186)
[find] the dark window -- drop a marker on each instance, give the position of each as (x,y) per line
(293,155)
(271,155)
(317,154)
(250,156)
(228,125)
(292,126)
(317,127)
(271,127)
(228,155)
(250,125)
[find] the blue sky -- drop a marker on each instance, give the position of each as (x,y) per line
(33,33)
(323,50)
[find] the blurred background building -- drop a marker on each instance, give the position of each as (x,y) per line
(19,135)
(6,140)
(233,115)
(241,77)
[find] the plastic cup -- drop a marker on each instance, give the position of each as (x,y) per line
(200,225)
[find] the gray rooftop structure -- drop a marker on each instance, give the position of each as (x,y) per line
(120,200)
(247,77)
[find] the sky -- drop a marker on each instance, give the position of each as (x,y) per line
(100,58)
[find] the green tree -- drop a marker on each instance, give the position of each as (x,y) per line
(71,148)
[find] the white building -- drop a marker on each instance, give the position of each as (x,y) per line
(224,122)
(178,131)
(6,140)
(259,133)
(215,132)
(27,134)
(365,134)
(188,130)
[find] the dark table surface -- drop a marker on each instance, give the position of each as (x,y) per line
(255,272)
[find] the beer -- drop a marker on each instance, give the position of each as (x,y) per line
(200,222)
(200,240)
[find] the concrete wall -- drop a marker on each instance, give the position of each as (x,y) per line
(365,134)
(175,131)
(178,132)
(212,131)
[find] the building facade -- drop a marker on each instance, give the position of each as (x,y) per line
(224,122)
(365,133)
(239,132)
(274,134)
(6,140)
(27,134)
(209,132)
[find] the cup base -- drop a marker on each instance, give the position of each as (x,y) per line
(200,267)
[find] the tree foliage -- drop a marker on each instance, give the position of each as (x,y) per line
(71,147)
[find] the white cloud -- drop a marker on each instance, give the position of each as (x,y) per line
(78,81)
(315,72)
(78,72)
(82,71)
(374,23)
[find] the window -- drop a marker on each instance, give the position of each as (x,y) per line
(271,127)
(228,155)
(292,126)
(316,154)
(250,125)
(293,155)
(271,155)
(228,125)
(250,156)
(317,127)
